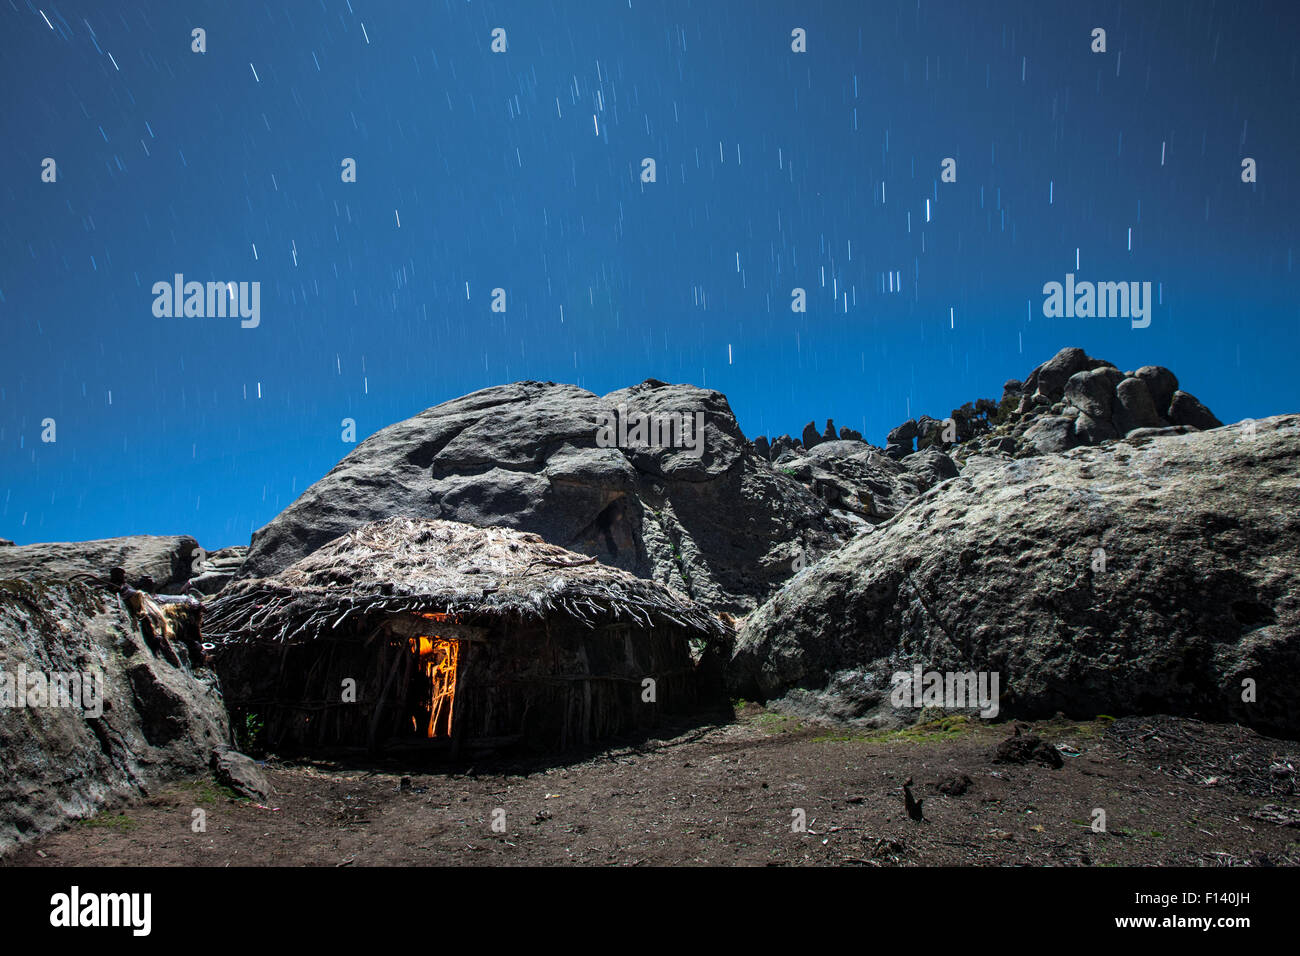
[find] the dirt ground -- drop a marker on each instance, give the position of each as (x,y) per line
(1174,792)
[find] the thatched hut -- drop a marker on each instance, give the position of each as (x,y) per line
(445,633)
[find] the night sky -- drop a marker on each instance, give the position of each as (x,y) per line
(522,170)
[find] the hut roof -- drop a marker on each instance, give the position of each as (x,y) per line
(415,565)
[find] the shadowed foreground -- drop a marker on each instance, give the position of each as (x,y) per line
(1175,792)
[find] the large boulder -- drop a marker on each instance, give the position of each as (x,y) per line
(716,520)
(167,559)
(1094,431)
(1153,575)
(930,466)
(1185,409)
(1046,384)
(1161,384)
(154,719)
(1051,434)
(928,432)
(1134,406)
(1093,392)
(903,434)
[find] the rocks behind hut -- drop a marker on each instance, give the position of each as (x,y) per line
(1118,579)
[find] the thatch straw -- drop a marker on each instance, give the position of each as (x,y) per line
(413,565)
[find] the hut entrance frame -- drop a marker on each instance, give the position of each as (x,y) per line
(438,661)
(437,644)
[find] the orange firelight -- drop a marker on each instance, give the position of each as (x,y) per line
(438,659)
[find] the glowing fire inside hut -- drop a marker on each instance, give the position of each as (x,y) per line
(437,659)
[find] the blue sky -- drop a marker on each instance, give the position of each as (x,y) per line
(521,170)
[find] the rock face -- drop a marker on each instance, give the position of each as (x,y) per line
(1150,575)
(166,559)
(216,569)
(157,720)
(860,479)
(718,523)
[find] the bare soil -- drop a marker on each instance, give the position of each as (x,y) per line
(1174,792)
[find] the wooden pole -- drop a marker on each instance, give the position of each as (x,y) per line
(383,695)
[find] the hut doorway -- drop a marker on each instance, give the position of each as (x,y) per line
(434,646)
(437,664)
(432,693)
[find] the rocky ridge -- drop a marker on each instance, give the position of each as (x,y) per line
(158,563)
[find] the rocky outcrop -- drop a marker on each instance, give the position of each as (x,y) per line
(155,719)
(1157,574)
(717,522)
(784,447)
(901,439)
(918,434)
(766,449)
(165,560)
(1071,400)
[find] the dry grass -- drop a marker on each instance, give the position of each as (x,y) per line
(403,565)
